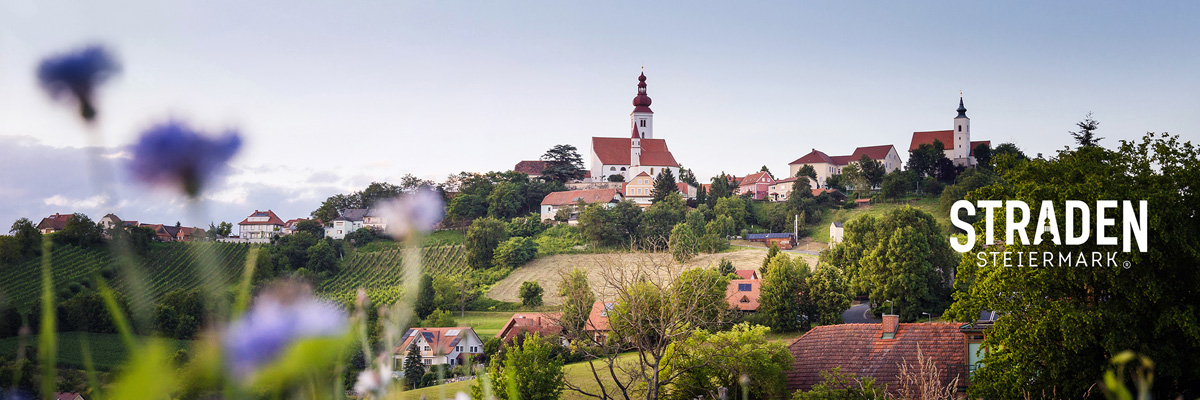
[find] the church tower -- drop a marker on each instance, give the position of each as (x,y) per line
(642,118)
(962,136)
(635,152)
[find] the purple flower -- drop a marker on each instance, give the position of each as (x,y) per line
(77,74)
(419,211)
(279,317)
(175,155)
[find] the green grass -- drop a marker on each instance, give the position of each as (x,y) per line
(928,204)
(108,351)
(578,373)
(486,323)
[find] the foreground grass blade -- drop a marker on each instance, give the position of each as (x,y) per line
(47,342)
(118,315)
(243,297)
(90,369)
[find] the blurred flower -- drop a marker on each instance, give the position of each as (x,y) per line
(419,211)
(76,74)
(175,155)
(283,314)
(375,380)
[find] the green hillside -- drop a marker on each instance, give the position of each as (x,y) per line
(820,230)
(382,272)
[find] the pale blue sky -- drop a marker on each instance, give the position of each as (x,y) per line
(333,95)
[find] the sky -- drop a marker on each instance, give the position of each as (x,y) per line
(331,96)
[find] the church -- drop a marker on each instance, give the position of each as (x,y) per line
(956,143)
(627,157)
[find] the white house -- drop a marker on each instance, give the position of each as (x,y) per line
(836,233)
(351,220)
(557,200)
(640,152)
(439,346)
(260,226)
(827,166)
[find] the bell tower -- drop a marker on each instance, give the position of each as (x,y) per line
(962,134)
(642,119)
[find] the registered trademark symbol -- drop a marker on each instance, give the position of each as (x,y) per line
(1127,264)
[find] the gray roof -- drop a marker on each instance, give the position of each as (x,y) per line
(837,224)
(352,215)
(754,236)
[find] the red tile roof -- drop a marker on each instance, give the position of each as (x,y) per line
(588,196)
(530,167)
(743,300)
(979,142)
(746,273)
(598,318)
(859,349)
(919,138)
(813,157)
(272,219)
(615,151)
(56,222)
(544,323)
(875,152)
(753,178)
(440,339)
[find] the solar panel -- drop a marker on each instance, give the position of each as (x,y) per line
(452,332)
(743,287)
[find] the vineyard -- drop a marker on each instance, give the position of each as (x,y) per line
(381,273)
(166,268)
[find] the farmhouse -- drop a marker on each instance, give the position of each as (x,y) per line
(558,200)
(260,226)
(757,184)
(53,223)
(545,324)
(956,142)
(826,166)
(742,294)
(439,346)
(640,152)
(597,323)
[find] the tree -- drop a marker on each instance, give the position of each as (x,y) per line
(79,231)
(902,256)
(660,218)
(783,299)
(734,208)
(898,183)
(836,182)
(872,170)
(983,155)
(687,176)
(482,238)
(578,298)
(725,267)
(721,187)
(854,179)
(563,164)
(837,385)
(514,252)
(527,371)
(596,223)
(414,368)
(807,171)
(311,226)
(531,294)
(772,251)
(830,294)
(742,351)
(321,258)
(1093,313)
(28,237)
(923,159)
(564,213)
(682,243)
(1086,136)
(439,319)
(627,216)
(528,226)
(424,305)
(616,178)
(664,184)
(505,201)
(467,207)
(1007,156)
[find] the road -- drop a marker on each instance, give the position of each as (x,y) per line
(859,314)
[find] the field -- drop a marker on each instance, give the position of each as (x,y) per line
(167,267)
(579,373)
(486,323)
(381,272)
(108,351)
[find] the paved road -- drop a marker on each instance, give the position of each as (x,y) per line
(859,314)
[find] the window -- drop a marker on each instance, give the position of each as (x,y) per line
(612,168)
(643,123)
(428,361)
(474,349)
(743,287)
(427,348)
(744,299)
(960,128)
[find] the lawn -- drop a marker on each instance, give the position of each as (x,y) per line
(108,351)
(579,373)
(486,323)
(928,204)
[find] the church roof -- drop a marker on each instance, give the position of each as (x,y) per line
(615,151)
(919,138)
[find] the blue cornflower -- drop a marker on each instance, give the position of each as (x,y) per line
(76,74)
(174,154)
(416,212)
(279,317)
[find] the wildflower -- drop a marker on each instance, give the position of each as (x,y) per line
(77,74)
(419,211)
(280,316)
(174,154)
(375,380)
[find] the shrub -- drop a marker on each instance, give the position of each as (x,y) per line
(515,252)
(558,239)
(531,294)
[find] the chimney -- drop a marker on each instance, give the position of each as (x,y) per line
(889,325)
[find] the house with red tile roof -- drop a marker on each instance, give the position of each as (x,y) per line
(747,274)
(597,323)
(544,324)
(826,165)
(53,223)
(640,189)
(878,350)
(757,184)
(260,226)
(439,346)
(67,396)
(572,198)
(742,294)
(533,168)
(637,153)
(956,142)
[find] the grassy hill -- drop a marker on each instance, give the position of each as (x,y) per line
(820,231)
(381,272)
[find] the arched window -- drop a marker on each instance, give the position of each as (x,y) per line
(622,169)
(612,168)
(960,128)
(643,123)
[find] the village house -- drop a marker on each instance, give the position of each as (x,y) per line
(747,274)
(174,233)
(826,166)
(742,294)
(878,350)
(290,226)
(374,220)
(785,241)
(640,190)
(544,324)
(558,200)
(109,221)
(53,223)
(640,152)
(836,233)
(758,184)
(439,346)
(351,220)
(956,142)
(260,226)
(533,168)
(597,323)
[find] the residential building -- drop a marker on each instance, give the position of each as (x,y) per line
(785,241)
(956,142)
(757,184)
(742,294)
(781,189)
(290,226)
(826,166)
(53,223)
(747,274)
(533,168)
(878,351)
(597,323)
(640,152)
(439,346)
(109,221)
(260,226)
(67,396)
(544,324)
(351,220)
(836,233)
(374,220)
(639,188)
(558,200)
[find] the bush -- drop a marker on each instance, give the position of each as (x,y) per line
(531,294)
(515,252)
(558,239)
(439,319)
(528,226)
